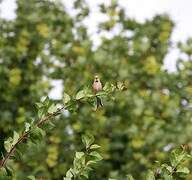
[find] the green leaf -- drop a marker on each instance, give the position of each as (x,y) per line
(78,165)
(97,156)
(80,95)
(101,93)
(130,177)
(27,126)
(8,144)
(67,178)
(85,172)
(3,172)
(15,137)
(95,146)
(79,154)
(37,134)
(167,176)
(184,170)
(89,95)
(48,125)
(22,147)
(87,140)
(44,107)
(150,175)
(41,112)
(107,87)
(91,162)
(167,167)
(52,108)
(66,99)
(177,156)
(9,171)
(46,101)
(18,154)
(30,177)
(39,105)
(69,173)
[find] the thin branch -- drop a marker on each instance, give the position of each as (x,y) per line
(39,124)
(21,138)
(25,135)
(41,121)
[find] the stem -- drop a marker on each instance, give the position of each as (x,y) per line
(41,121)
(25,135)
(39,124)
(22,137)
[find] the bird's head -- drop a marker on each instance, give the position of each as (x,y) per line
(96,78)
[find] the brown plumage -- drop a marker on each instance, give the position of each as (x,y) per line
(97,86)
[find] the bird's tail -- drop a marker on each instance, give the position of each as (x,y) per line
(99,102)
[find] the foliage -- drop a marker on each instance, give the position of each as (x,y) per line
(175,169)
(34,132)
(83,161)
(141,125)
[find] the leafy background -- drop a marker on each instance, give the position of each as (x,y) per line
(140,126)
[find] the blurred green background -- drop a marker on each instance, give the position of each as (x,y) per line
(141,125)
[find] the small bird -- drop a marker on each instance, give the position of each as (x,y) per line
(97,86)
